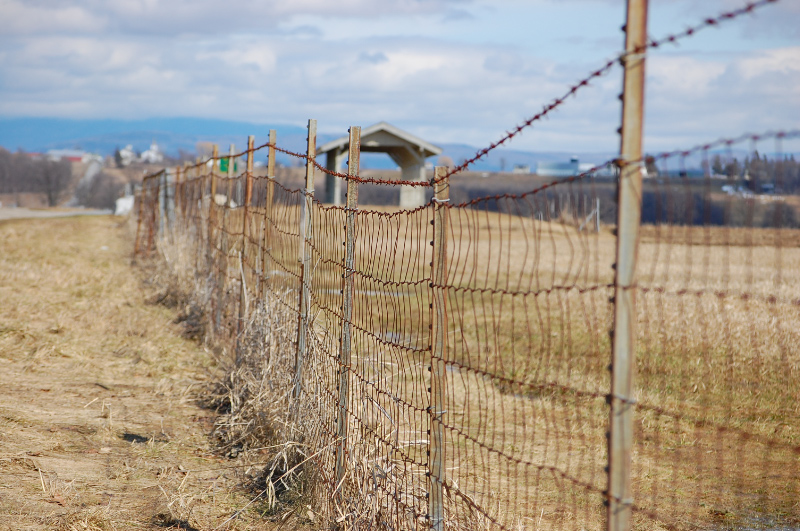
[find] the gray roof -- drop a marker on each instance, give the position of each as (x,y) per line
(383,137)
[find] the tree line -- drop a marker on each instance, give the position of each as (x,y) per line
(779,174)
(21,173)
(759,170)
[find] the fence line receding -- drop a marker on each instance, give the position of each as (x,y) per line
(452,363)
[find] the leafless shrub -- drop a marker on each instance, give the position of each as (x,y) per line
(101,191)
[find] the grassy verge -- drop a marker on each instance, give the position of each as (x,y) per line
(100,425)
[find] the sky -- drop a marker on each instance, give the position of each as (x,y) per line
(451,71)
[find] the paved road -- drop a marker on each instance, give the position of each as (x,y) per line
(23,213)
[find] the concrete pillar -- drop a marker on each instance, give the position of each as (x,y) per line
(333,185)
(412,196)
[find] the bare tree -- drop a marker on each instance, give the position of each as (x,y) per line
(54,179)
(101,192)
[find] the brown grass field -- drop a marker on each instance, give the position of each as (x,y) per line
(717,431)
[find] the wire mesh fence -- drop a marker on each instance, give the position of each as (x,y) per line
(719,303)
(451,363)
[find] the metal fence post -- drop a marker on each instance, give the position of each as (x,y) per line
(306,234)
(629,215)
(266,244)
(347,302)
(436,410)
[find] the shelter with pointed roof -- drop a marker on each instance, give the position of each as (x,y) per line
(406,150)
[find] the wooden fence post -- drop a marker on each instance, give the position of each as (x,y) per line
(137,243)
(199,187)
(212,208)
(215,236)
(306,234)
(436,410)
(620,440)
(223,239)
(266,244)
(184,185)
(347,304)
(176,194)
(597,215)
(163,224)
(154,215)
(248,193)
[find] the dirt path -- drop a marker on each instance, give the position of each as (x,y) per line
(98,424)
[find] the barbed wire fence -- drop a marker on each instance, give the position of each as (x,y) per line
(495,364)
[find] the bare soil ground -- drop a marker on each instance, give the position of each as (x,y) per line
(99,426)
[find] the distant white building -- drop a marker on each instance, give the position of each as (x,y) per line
(152,155)
(72,155)
(558,169)
(127,155)
(521,168)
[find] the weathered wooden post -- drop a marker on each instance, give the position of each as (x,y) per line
(223,238)
(155,214)
(306,234)
(137,243)
(176,195)
(620,440)
(163,224)
(199,186)
(597,215)
(436,410)
(212,207)
(248,193)
(347,304)
(266,244)
(185,183)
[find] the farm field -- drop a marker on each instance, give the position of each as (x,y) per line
(528,350)
(99,423)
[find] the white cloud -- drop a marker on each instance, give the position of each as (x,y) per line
(197,16)
(242,56)
(354,62)
(684,77)
(782,60)
(24,18)
(708,98)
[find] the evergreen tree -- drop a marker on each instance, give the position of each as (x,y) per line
(716,166)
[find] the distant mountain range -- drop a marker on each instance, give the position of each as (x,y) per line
(182,134)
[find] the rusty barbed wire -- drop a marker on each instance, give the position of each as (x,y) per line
(526,363)
(669,39)
(524,357)
(725,142)
(748,8)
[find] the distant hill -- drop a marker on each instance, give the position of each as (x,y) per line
(183,134)
(171,134)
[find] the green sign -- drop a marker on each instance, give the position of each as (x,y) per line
(223,165)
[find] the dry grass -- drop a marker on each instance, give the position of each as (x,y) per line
(526,416)
(99,423)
